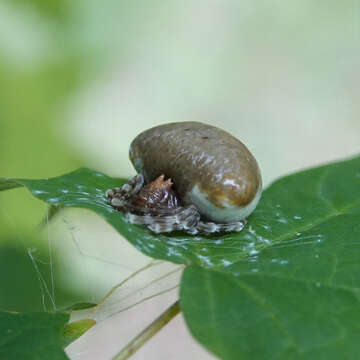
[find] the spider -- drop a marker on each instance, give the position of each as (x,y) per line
(217,182)
(157,206)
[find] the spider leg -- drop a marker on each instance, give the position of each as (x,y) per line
(188,218)
(156,223)
(125,191)
(137,182)
(168,220)
(183,218)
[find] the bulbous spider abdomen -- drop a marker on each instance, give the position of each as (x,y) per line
(210,168)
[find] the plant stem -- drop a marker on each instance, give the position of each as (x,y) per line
(149,332)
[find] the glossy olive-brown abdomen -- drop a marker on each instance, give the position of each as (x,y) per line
(209,167)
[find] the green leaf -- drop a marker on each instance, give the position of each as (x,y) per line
(7,184)
(30,336)
(296,296)
(291,205)
(85,188)
(286,287)
(75,329)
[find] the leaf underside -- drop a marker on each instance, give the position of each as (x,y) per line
(286,287)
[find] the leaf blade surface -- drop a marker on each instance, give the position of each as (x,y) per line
(32,336)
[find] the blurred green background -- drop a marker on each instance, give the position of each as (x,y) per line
(80,79)
(36,78)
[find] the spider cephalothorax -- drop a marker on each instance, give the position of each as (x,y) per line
(217,180)
(157,195)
